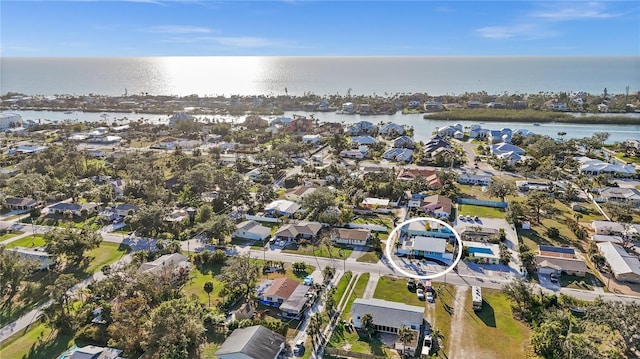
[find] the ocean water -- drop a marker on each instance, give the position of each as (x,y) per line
(319,75)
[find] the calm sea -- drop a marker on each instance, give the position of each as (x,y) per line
(318,75)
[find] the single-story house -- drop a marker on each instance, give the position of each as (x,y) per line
(301,230)
(39,255)
(297,302)
(370,202)
(425,247)
(404,142)
(363,140)
(282,207)
(439,206)
(618,194)
(251,230)
(124,209)
(625,266)
(298,193)
(430,176)
(398,154)
(599,238)
(559,252)
(571,266)
(356,237)
(20,203)
(355,154)
(391,129)
(76,209)
(255,342)
(91,352)
(502,148)
(449,131)
(276,291)
(489,252)
(594,167)
(482,180)
(388,317)
(362,127)
(420,228)
(608,228)
(118,186)
(167,265)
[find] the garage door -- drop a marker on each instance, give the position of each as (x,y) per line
(546,270)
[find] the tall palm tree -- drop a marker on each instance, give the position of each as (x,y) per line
(405,335)
(366,323)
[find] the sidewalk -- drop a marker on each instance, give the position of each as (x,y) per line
(371,286)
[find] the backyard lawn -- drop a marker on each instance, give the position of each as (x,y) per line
(480,211)
(38,342)
(106,254)
(28,241)
(358,291)
(395,290)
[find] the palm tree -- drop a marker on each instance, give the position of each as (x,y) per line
(208,287)
(366,323)
(405,335)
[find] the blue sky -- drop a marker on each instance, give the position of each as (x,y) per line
(317,28)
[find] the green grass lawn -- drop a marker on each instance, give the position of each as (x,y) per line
(480,211)
(358,291)
(343,336)
(28,241)
(628,159)
(6,236)
(395,290)
(104,255)
(342,286)
(370,257)
(493,331)
(320,251)
(37,342)
(195,285)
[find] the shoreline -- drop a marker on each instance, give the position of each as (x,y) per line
(532,116)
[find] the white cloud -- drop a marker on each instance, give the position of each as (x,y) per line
(519,31)
(575,11)
(180,29)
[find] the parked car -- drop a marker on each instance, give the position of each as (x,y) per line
(426,345)
(421,285)
(420,293)
(411,284)
(476,218)
(554,277)
(298,348)
(461,217)
(468,218)
(430,297)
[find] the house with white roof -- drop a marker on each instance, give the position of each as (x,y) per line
(488,253)
(425,247)
(476,131)
(450,131)
(499,136)
(599,238)
(471,179)
(363,128)
(594,167)
(618,194)
(624,266)
(391,130)
(608,228)
(371,202)
(251,230)
(363,140)
(355,154)
(522,132)
(313,139)
(501,148)
(282,207)
(39,255)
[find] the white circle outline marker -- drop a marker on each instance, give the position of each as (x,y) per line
(387,249)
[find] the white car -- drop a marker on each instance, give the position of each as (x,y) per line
(420,293)
(461,217)
(426,345)
(430,297)
(298,348)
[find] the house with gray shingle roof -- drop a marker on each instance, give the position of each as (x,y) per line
(255,342)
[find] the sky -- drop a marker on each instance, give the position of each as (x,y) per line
(92,28)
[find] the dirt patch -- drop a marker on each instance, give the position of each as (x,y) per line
(456,334)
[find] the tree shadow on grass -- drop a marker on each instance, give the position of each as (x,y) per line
(487,314)
(50,347)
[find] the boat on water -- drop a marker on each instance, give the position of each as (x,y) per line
(68,112)
(536,124)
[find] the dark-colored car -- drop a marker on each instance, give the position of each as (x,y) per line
(411,284)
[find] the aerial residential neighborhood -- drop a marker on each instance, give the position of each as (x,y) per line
(266,238)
